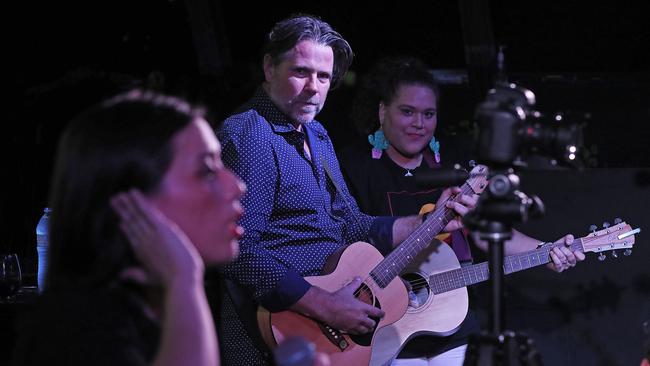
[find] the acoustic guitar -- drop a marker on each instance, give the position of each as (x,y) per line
(381,287)
(439,284)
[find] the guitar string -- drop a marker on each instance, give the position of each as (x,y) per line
(419,232)
(458,275)
(422,282)
(577,244)
(465,188)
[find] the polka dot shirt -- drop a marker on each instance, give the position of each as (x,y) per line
(294,217)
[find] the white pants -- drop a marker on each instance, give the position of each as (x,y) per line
(453,357)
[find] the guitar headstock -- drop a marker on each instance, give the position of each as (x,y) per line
(610,238)
(478,178)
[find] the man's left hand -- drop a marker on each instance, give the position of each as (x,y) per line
(461,206)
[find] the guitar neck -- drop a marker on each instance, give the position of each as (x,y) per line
(400,257)
(462,277)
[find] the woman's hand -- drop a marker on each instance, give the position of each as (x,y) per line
(165,252)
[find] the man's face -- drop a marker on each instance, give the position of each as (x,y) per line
(299,84)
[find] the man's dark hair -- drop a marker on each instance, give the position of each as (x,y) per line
(289,32)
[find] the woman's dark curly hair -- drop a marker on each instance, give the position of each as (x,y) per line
(381,84)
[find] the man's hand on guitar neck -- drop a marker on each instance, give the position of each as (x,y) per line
(464,203)
(341,309)
(461,205)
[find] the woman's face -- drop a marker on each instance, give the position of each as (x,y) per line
(410,120)
(200,195)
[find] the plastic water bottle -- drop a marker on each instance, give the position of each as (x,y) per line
(41,247)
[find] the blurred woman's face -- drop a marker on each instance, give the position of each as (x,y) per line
(201,195)
(410,120)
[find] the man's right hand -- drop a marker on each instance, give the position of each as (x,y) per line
(340,309)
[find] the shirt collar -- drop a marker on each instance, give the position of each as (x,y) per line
(263,104)
(280,122)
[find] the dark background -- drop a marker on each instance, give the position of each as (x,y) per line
(587,60)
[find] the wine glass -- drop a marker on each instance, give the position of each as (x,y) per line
(10,275)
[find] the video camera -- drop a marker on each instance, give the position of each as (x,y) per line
(510,129)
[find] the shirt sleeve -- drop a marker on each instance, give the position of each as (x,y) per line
(381,233)
(378,230)
(258,270)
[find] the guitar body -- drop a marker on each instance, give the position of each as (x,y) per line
(383,288)
(437,267)
(438,315)
(357,259)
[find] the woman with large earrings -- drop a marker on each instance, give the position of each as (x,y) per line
(397,107)
(141,203)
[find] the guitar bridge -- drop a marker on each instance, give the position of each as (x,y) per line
(334,336)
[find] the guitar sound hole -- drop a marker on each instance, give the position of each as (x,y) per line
(418,289)
(365,294)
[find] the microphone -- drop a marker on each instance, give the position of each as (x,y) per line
(441,178)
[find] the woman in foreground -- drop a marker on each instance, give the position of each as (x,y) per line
(140,201)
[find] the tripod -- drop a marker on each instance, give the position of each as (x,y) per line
(501,205)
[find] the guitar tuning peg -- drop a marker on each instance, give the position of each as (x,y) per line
(593,228)
(617,220)
(627,252)
(601,257)
(606,224)
(614,254)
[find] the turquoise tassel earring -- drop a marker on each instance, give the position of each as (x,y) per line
(435,148)
(378,142)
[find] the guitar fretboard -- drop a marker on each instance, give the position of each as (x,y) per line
(421,237)
(461,277)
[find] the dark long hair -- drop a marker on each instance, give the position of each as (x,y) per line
(122,143)
(381,84)
(289,32)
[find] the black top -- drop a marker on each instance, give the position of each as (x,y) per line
(103,326)
(382,187)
